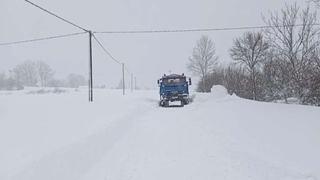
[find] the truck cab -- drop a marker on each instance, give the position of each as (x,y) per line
(174,87)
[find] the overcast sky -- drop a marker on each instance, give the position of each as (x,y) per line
(148,56)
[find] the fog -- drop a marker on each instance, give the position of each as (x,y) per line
(147,56)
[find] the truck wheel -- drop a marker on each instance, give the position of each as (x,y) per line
(186,101)
(166,103)
(161,103)
(182,103)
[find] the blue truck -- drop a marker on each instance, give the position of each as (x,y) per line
(174,87)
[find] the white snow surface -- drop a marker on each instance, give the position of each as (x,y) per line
(219,91)
(63,137)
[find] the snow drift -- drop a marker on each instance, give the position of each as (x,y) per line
(61,136)
(219,91)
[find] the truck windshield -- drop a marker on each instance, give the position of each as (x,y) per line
(172,81)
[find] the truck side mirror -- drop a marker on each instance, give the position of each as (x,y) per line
(190,83)
(158,81)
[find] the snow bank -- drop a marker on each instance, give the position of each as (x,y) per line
(219,91)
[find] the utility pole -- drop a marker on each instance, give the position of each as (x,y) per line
(91,35)
(131,82)
(123,82)
(90,69)
(135,83)
(90,44)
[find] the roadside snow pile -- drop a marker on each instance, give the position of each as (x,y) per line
(219,91)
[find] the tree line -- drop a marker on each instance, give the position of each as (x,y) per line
(277,63)
(37,74)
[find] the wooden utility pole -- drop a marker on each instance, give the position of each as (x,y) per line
(135,83)
(90,69)
(90,44)
(123,81)
(131,82)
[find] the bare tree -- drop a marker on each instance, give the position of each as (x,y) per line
(120,84)
(317,2)
(76,80)
(56,83)
(25,74)
(250,51)
(214,78)
(203,60)
(276,77)
(236,81)
(294,46)
(2,81)
(45,73)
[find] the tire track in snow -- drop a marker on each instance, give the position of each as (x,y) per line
(159,143)
(167,144)
(67,163)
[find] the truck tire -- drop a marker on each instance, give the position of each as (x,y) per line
(166,103)
(186,101)
(161,103)
(182,103)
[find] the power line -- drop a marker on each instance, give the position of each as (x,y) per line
(55,15)
(90,45)
(110,55)
(127,70)
(123,67)
(106,51)
(195,30)
(40,39)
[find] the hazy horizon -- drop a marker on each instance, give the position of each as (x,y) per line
(148,56)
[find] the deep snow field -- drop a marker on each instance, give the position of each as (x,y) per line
(217,137)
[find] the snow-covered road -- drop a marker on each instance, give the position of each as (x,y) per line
(62,137)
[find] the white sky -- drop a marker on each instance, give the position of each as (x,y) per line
(148,56)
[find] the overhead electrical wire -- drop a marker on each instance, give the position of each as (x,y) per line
(110,55)
(127,70)
(105,50)
(55,15)
(40,39)
(195,30)
(92,34)
(134,32)
(151,31)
